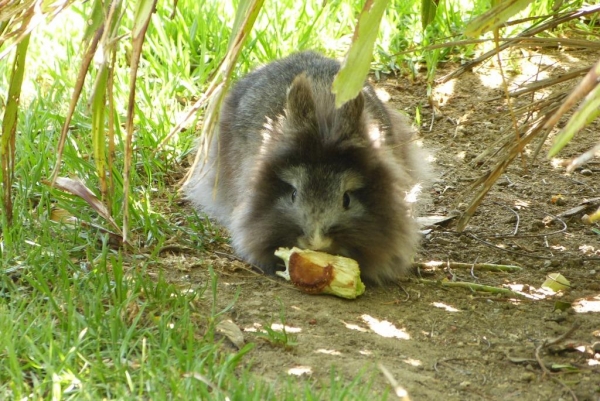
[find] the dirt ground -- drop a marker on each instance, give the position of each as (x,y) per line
(438,342)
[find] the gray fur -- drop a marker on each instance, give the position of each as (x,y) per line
(291,170)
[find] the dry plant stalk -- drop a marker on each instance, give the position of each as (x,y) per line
(548,110)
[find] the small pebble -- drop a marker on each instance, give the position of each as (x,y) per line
(586,172)
(528,377)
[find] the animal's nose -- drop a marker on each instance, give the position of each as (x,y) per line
(316,241)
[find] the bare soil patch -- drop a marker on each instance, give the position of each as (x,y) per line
(452,343)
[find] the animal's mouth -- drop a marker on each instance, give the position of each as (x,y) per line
(316,242)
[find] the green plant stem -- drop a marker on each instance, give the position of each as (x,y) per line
(473,287)
(475,266)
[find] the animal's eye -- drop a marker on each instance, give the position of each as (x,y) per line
(346,200)
(294,194)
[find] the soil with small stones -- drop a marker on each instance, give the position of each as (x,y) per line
(436,341)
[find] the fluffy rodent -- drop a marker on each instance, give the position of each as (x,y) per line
(289,169)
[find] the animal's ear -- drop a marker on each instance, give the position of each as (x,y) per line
(301,109)
(353,109)
(348,117)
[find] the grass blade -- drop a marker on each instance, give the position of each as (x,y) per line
(83,70)
(244,21)
(587,111)
(495,17)
(98,126)
(351,77)
(428,10)
(9,130)
(143,12)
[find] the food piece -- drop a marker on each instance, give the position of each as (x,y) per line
(321,273)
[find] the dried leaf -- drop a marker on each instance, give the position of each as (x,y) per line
(77,188)
(232,332)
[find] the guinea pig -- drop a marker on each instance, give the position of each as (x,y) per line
(289,169)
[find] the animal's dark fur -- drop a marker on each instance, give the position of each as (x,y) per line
(294,171)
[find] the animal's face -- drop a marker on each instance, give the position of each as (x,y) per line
(341,201)
(322,201)
(320,181)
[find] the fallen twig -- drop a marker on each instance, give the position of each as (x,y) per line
(474,287)
(475,266)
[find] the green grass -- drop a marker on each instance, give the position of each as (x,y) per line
(88,335)
(83,319)
(99,334)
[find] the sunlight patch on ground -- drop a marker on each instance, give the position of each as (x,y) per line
(356,327)
(413,362)
(586,305)
(385,328)
(533,67)
(519,203)
(493,79)
(448,308)
(288,329)
(442,92)
(518,70)
(300,370)
(589,250)
(328,351)
(531,292)
(365,352)
(255,328)
(557,163)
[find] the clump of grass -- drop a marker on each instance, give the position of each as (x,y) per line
(100,332)
(279,337)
